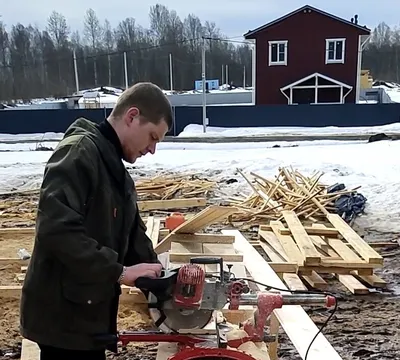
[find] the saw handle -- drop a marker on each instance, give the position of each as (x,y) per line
(210,261)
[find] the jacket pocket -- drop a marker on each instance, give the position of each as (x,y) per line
(88,307)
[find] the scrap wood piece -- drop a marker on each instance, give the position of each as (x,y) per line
(294,282)
(297,324)
(372,280)
(20,231)
(208,216)
(13,261)
(352,284)
(311,230)
(316,281)
(358,244)
(147,205)
(153,229)
(30,350)
(305,244)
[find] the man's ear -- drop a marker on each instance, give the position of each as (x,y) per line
(131,114)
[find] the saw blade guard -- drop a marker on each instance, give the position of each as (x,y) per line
(182,310)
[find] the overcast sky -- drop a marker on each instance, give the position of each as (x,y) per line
(233,17)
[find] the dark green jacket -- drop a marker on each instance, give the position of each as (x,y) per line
(87,228)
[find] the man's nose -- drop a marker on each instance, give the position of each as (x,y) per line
(152,148)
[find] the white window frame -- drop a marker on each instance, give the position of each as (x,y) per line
(277,42)
(335,61)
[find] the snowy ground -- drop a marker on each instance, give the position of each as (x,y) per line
(197,130)
(374,166)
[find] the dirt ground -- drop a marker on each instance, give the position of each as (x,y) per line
(364,327)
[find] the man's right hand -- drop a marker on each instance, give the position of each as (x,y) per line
(146,270)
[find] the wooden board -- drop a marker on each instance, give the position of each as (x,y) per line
(294,320)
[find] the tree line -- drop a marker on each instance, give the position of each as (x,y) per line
(39,63)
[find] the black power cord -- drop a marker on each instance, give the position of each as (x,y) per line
(301,292)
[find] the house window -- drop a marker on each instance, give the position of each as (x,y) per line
(278,52)
(335,49)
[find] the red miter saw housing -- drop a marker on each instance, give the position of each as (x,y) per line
(189,286)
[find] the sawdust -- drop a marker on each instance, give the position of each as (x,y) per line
(9,324)
(10,245)
(133,317)
(8,274)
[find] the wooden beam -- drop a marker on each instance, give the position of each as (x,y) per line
(359,245)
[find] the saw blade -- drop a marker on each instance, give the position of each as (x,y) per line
(174,319)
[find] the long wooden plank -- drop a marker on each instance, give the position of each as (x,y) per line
(359,245)
(294,320)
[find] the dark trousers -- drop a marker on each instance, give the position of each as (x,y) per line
(51,353)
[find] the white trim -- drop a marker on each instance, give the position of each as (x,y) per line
(316,86)
(337,82)
(277,42)
(335,61)
(254,70)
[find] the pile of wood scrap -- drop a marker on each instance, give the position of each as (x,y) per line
(169,187)
(160,193)
(303,253)
(290,190)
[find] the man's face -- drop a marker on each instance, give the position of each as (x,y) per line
(140,137)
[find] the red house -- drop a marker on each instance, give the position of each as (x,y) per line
(308,57)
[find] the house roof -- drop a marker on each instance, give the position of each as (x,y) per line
(306,7)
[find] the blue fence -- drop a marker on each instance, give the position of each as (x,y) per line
(58,120)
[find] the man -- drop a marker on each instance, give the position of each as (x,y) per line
(90,238)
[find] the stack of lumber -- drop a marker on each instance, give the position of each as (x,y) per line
(290,190)
(303,253)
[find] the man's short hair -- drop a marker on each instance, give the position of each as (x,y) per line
(149,99)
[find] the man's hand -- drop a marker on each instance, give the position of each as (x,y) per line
(139,270)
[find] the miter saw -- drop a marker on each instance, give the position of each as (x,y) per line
(183,300)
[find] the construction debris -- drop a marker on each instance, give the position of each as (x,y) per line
(160,193)
(293,191)
(169,187)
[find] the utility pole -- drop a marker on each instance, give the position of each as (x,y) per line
(171,78)
(203,78)
(126,71)
(76,73)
